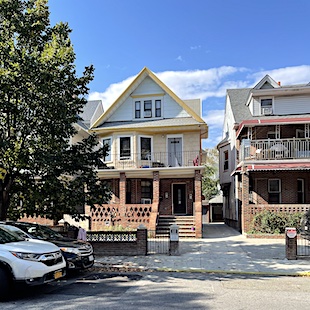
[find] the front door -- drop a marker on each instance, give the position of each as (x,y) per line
(179,198)
(175,152)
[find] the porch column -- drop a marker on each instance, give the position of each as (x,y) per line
(198,205)
(156,187)
(122,188)
(155,201)
(245,208)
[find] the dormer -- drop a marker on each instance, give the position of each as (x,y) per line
(260,102)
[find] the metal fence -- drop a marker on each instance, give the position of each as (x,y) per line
(157,244)
(303,246)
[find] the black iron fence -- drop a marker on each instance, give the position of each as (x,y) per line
(303,246)
(157,244)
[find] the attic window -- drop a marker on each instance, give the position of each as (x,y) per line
(138,109)
(147,108)
(266,106)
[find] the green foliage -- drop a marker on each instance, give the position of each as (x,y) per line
(210,177)
(268,222)
(40,99)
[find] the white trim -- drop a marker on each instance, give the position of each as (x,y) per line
(111,146)
(151,98)
(139,146)
(268,109)
(119,146)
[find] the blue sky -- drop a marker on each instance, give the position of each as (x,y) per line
(198,48)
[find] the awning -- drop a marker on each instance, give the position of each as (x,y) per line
(272,167)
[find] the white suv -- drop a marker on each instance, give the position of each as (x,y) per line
(27,261)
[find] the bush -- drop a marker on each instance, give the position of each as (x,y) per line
(268,222)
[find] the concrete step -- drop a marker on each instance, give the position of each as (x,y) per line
(185,223)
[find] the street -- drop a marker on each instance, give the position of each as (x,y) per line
(163,290)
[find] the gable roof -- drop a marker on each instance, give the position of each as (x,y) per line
(144,73)
(266,80)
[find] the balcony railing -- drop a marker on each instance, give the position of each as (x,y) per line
(275,149)
(152,160)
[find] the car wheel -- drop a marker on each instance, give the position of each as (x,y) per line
(4,284)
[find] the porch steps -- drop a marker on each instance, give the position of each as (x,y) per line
(186,225)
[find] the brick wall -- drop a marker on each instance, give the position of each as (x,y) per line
(165,205)
(123,248)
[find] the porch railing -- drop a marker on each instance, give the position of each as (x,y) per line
(152,160)
(275,149)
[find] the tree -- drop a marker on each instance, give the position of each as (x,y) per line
(210,177)
(40,99)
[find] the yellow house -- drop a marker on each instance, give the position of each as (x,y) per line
(154,163)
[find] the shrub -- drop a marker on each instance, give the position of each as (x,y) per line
(268,222)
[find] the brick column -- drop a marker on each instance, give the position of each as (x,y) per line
(122,188)
(245,216)
(142,240)
(291,243)
(155,202)
(155,187)
(198,205)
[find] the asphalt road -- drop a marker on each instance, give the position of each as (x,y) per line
(160,290)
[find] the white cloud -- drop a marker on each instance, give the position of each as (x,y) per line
(209,83)
(179,58)
(214,118)
(195,47)
(287,76)
(111,93)
(199,83)
(186,84)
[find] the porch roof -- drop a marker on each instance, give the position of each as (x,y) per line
(274,166)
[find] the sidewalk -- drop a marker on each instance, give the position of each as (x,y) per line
(222,250)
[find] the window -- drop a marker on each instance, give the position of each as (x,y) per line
(146,189)
(128,191)
(300,191)
(138,109)
(157,108)
(274,191)
(226,160)
(266,106)
(145,148)
(125,147)
(147,108)
(107,142)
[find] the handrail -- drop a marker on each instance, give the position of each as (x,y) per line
(275,149)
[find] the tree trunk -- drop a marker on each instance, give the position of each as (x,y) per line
(5,186)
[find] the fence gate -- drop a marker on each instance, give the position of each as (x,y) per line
(303,246)
(157,244)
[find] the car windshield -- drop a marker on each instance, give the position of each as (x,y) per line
(6,236)
(40,231)
(14,231)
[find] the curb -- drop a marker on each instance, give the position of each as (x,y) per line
(125,268)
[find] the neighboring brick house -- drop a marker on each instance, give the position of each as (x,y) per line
(154,165)
(265,153)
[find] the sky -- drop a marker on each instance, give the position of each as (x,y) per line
(198,48)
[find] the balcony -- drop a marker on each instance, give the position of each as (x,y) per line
(272,149)
(152,160)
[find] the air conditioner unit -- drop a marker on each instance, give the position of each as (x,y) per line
(146,201)
(266,111)
(147,113)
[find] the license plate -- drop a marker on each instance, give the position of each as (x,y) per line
(91,258)
(58,274)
